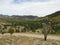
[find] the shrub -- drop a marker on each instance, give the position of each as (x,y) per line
(11,31)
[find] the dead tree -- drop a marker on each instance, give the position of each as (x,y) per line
(46,29)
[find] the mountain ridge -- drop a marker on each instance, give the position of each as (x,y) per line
(55,16)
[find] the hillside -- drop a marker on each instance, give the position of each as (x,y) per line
(32,23)
(55,20)
(54,16)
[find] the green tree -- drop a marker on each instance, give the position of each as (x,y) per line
(10,31)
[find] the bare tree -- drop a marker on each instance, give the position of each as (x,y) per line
(46,29)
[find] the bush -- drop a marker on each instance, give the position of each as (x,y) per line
(11,30)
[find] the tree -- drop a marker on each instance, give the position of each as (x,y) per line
(10,31)
(46,29)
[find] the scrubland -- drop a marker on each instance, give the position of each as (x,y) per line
(27,39)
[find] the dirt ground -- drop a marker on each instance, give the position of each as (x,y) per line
(28,39)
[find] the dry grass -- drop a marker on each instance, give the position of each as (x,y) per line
(24,40)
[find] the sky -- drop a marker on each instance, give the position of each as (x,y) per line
(29,7)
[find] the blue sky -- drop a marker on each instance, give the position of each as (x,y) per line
(29,7)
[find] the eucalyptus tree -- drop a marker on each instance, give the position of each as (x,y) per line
(46,29)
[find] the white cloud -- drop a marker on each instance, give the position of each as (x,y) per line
(29,8)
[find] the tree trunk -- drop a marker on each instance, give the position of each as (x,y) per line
(45,37)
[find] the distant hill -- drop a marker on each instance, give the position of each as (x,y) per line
(55,14)
(25,17)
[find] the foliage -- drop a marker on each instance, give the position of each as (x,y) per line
(11,31)
(46,29)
